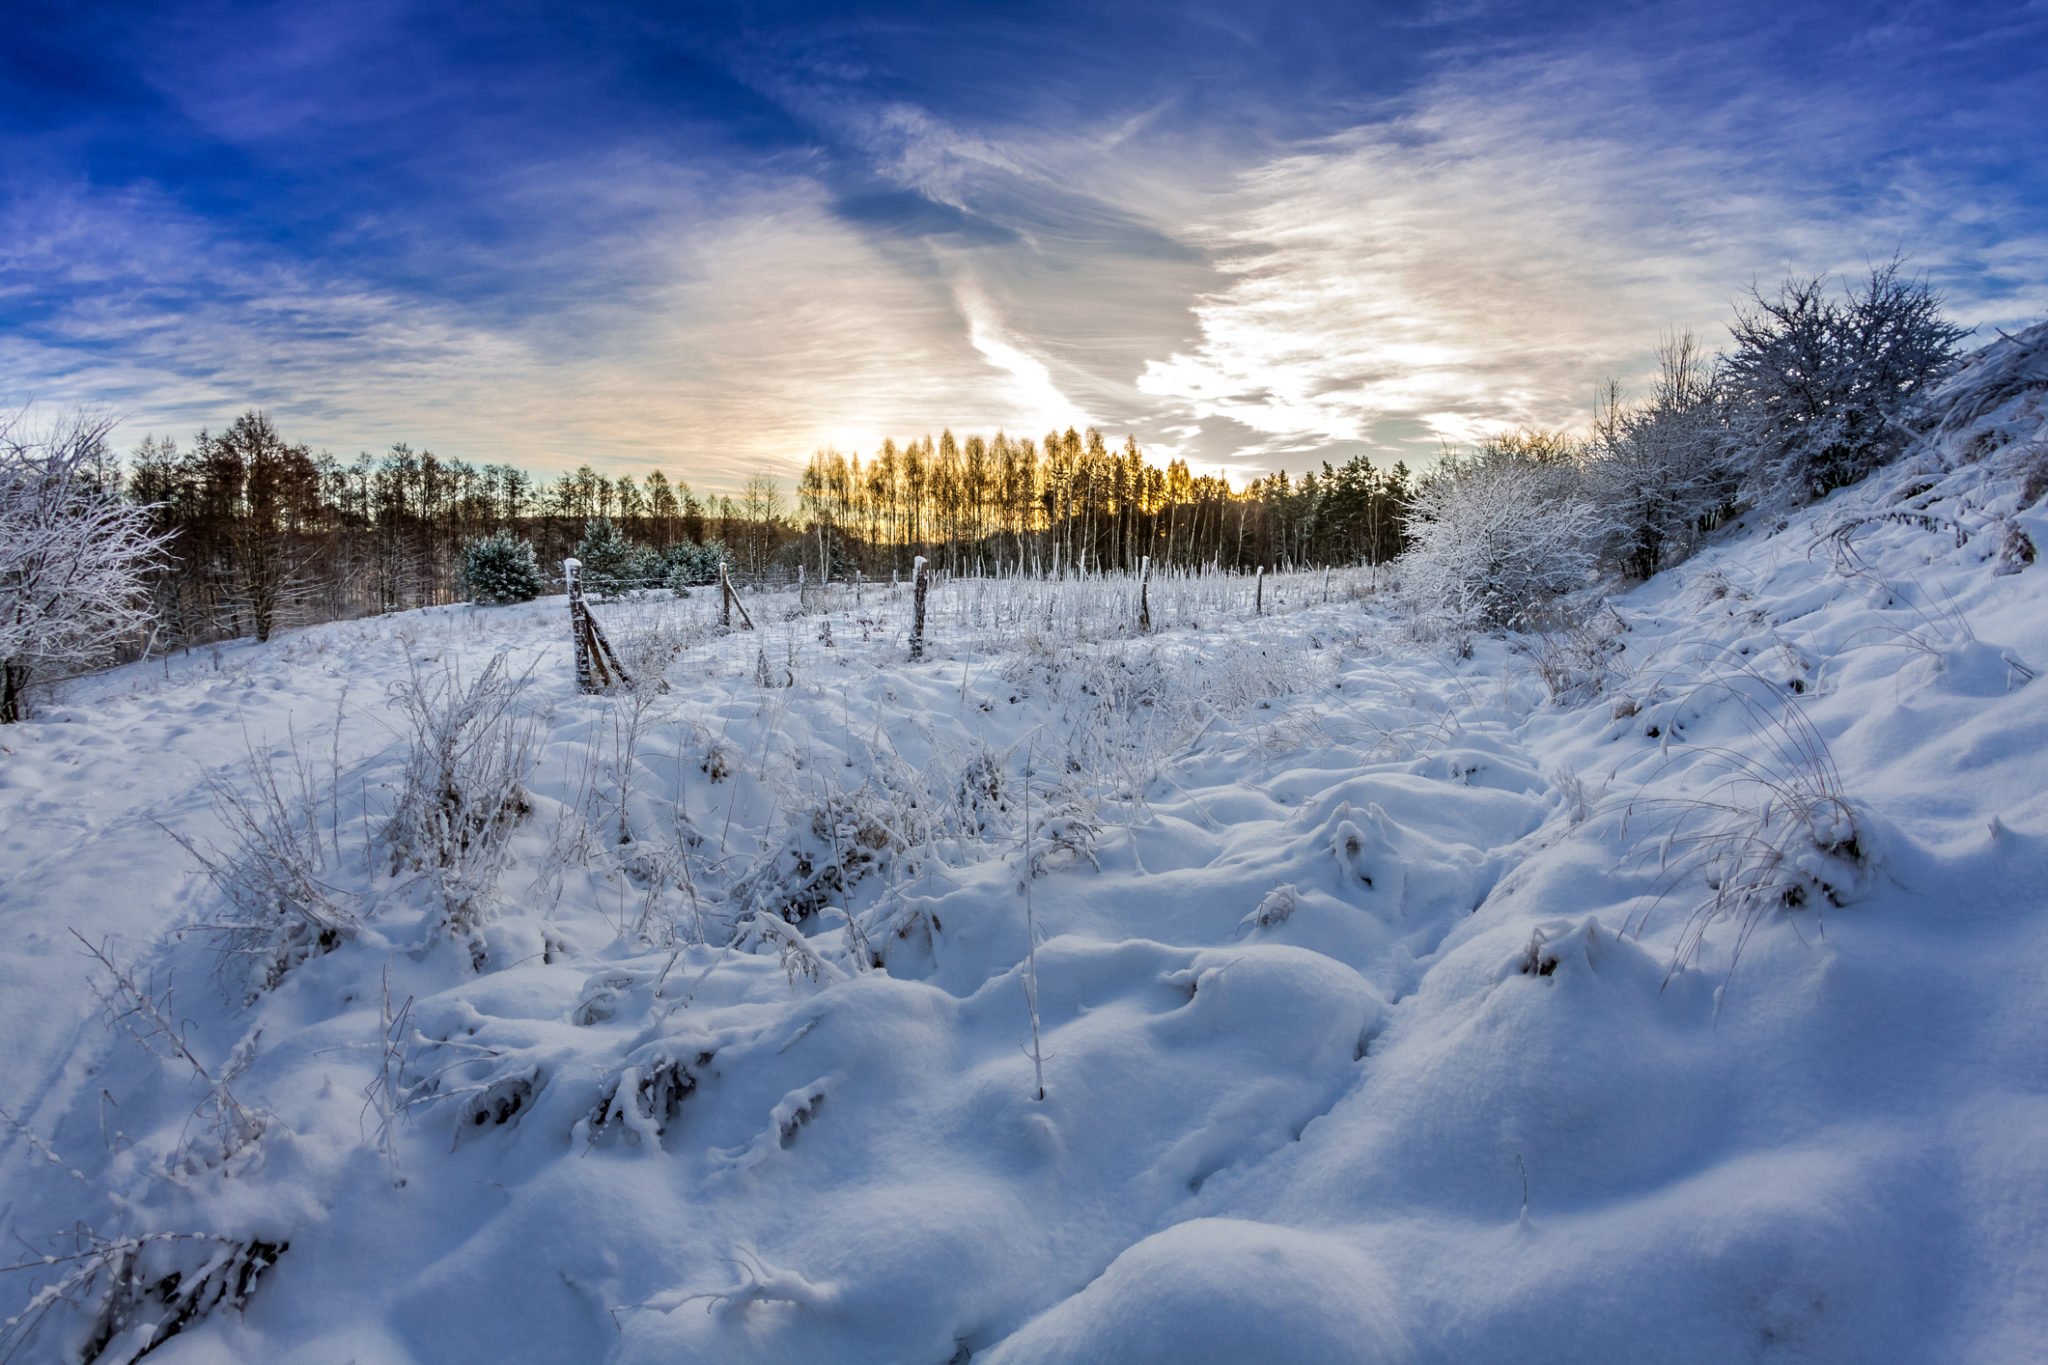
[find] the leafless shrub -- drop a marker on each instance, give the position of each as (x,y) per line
(829,848)
(148,1018)
(1574,654)
(463,791)
(284,841)
(1064,833)
(489,1086)
(2015,548)
(1276,908)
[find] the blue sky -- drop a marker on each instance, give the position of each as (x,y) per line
(713,238)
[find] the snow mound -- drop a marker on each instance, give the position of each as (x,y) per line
(1223,1289)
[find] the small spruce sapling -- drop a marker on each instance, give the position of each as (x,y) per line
(500,568)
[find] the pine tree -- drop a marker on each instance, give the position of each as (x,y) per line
(612,564)
(500,568)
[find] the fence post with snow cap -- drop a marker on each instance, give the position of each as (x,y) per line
(597,667)
(1144,594)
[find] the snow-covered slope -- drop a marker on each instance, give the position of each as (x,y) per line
(1669,989)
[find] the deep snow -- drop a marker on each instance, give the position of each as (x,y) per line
(1387,1010)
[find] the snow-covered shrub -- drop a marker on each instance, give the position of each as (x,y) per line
(488,1086)
(643,1096)
(1063,833)
(229,1129)
(1819,389)
(980,796)
(463,790)
(1273,910)
(766,930)
(790,1116)
(73,556)
(500,567)
(1575,655)
(1661,473)
(898,928)
(123,1297)
(1496,535)
(1557,942)
(829,848)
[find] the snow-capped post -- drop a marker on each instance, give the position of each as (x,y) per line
(920,579)
(597,668)
(1259,592)
(1144,594)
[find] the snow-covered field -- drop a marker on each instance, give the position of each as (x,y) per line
(1674,988)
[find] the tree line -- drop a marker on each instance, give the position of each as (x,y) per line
(1071,504)
(262,532)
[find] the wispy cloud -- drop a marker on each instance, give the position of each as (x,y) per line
(1523,228)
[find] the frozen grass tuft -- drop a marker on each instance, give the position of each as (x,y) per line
(274,875)
(1773,833)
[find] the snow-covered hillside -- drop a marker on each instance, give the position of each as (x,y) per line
(1671,988)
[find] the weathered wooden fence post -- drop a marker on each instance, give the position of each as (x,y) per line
(597,667)
(1144,594)
(1259,592)
(729,601)
(920,579)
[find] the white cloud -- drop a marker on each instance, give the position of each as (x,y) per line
(1524,230)
(1036,400)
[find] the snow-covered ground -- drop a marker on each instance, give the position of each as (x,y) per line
(1388,1006)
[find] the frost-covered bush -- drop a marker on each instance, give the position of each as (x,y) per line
(500,567)
(72,556)
(1661,473)
(120,1298)
(829,848)
(1819,388)
(463,790)
(1496,535)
